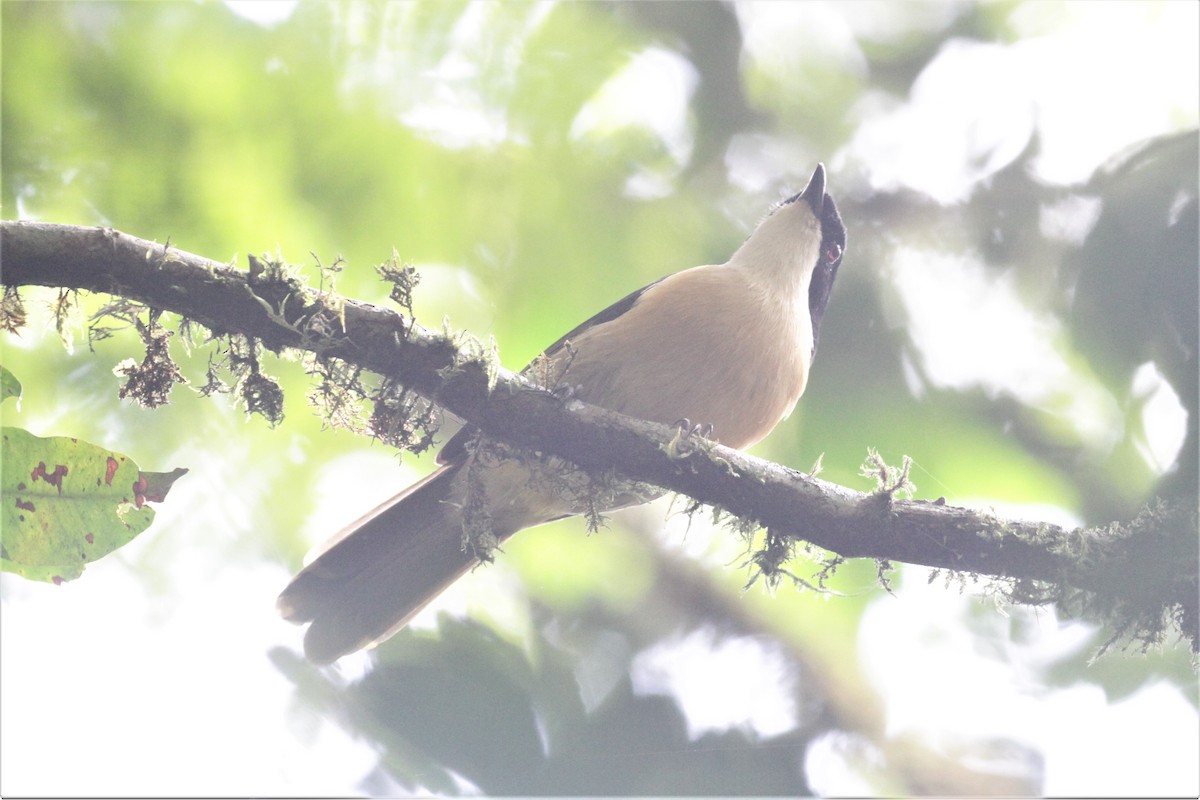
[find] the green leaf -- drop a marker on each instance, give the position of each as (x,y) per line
(67,502)
(9,385)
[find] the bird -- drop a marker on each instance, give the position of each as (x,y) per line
(726,346)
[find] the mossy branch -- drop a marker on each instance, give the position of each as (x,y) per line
(1140,576)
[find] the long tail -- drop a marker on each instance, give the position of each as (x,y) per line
(380,571)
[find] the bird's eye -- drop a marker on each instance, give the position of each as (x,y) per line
(833,253)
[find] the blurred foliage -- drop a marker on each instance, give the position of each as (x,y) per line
(439,702)
(458,133)
(1134,299)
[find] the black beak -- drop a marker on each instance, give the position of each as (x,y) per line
(814,193)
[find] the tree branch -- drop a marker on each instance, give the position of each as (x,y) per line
(1136,575)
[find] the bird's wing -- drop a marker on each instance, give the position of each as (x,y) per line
(607,315)
(455,450)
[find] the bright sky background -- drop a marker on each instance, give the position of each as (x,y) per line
(1061,81)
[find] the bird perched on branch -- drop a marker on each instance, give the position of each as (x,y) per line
(726,346)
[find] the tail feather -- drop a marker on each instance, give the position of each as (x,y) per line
(381,571)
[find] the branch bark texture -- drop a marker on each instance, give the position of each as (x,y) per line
(1148,564)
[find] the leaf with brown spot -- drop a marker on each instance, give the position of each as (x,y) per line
(64,503)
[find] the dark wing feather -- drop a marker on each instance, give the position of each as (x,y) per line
(455,450)
(607,315)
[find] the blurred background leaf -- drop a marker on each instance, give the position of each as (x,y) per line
(1017,311)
